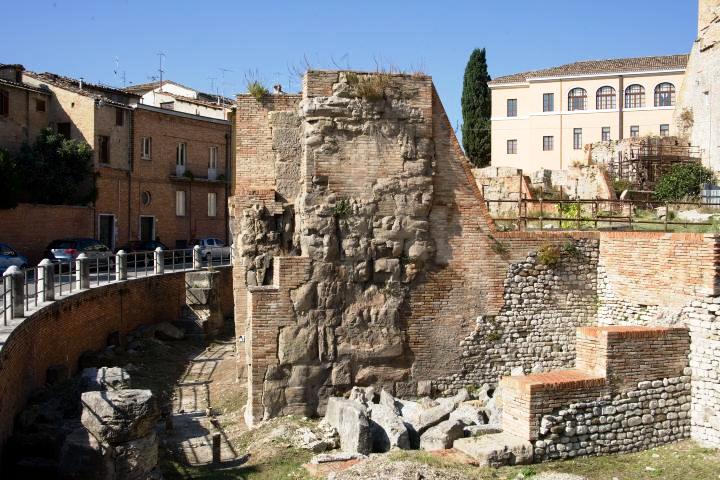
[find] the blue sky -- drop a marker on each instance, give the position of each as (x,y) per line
(273,38)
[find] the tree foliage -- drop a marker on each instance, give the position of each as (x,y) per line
(684,180)
(476,109)
(56,171)
(10,181)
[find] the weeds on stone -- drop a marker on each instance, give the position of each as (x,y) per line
(548,255)
(494,336)
(571,250)
(372,87)
(342,209)
(257,90)
(497,246)
(393,289)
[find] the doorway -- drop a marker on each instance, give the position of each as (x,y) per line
(147,228)
(106,230)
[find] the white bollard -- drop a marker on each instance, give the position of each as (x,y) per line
(159,261)
(82,272)
(46,279)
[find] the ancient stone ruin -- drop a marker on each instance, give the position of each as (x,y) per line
(365,257)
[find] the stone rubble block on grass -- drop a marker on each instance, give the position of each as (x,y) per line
(442,435)
(350,419)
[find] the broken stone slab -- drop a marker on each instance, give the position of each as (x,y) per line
(496,450)
(82,456)
(321,441)
(104,378)
(424,418)
(363,395)
(468,414)
(168,331)
(336,457)
(119,416)
(351,422)
(387,429)
(390,402)
(477,430)
(442,435)
(137,459)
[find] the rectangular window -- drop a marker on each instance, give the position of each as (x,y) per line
(104,149)
(634,131)
(181,155)
(512,107)
(4,103)
(605,134)
(548,143)
(212,204)
(512,147)
(213,157)
(180,203)
(119,117)
(146,148)
(63,128)
(664,130)
(39,105)
(548,102)
(577,138)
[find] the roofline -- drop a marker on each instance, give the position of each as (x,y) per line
(529,80)
(142,106)
(23,86)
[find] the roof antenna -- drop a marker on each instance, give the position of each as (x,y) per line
(222,83)
(161,55)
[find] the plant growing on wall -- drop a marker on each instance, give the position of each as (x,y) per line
(56,170)
(342,209)
(476,110)
(10,181)
(684,180)
(548,255)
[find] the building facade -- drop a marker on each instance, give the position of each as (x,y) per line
(23,109)
(170,95)
(159,172)
(179,180)
(544,118)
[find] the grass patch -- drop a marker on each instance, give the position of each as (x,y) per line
(257,90)
(372,86)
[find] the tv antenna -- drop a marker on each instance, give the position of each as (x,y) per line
(161,55)
(222,83)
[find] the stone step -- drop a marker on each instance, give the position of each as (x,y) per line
(496,449)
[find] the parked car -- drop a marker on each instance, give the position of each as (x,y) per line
(212,248)
(141,252)
(10,257)
(68,249)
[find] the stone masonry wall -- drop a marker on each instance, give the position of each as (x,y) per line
(535,328)
(363,176)
(651,414)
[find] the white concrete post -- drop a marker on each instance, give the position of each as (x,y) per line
(82,272)
(46,280)
(197,258)
(159,261)
(14,280)
(121,265)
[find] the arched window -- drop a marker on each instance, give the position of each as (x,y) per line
(577,99)
(605,98)
(635,96)
(665,95)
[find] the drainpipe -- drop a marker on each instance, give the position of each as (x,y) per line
(225,186)
(562,145)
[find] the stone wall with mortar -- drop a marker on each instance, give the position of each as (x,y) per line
(651,414)
(363,176)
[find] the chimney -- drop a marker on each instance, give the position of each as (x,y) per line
(277,89)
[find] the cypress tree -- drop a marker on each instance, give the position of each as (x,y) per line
(476,110)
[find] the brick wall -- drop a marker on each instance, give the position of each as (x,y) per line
(23,122)
(60,332)
(30,228)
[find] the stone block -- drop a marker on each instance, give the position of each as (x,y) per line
(496,450)
(104,378)
(387,429)
(442,435)
(119,416)
(350,420)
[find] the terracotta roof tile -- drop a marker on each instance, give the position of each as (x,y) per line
(591,67)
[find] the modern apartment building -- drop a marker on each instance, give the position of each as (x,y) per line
(544,118)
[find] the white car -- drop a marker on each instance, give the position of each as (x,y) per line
(213,249)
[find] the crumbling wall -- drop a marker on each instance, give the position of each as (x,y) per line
(399,255)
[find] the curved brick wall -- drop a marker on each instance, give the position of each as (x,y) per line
(60,332)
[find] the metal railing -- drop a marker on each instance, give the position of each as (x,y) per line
(24,290)
(540,214)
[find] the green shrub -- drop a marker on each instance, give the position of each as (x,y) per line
(257,89)
(342,209)
(497,246)
(682,181)
(620,186)
(10,181)
(570,249)
(548,255)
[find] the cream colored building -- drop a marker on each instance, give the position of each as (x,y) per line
(544,118)
(171,95)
